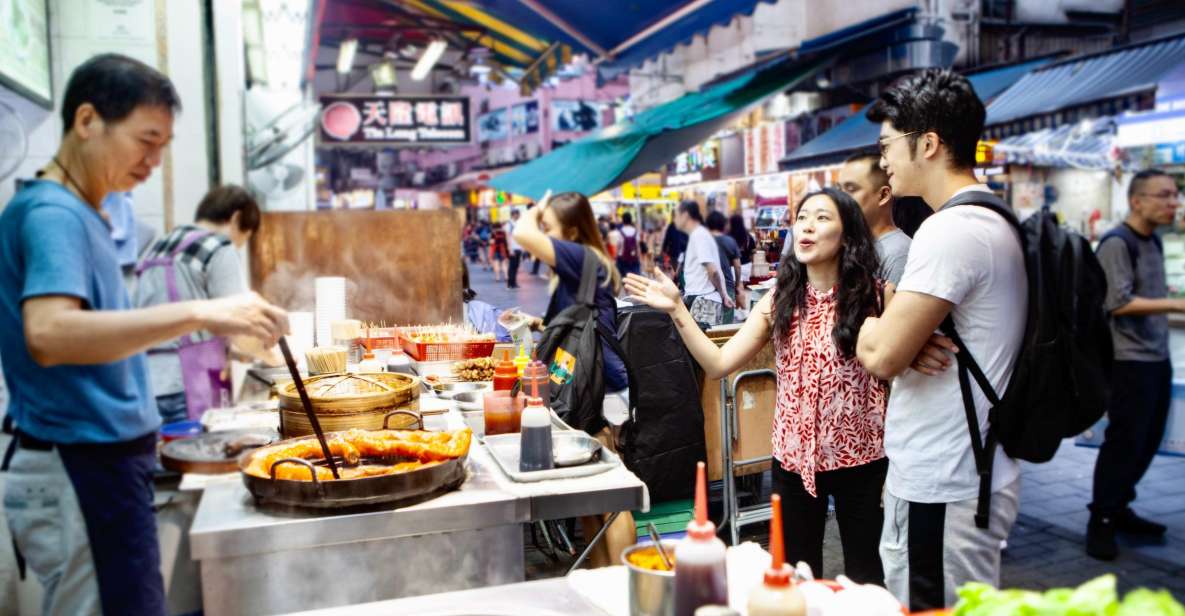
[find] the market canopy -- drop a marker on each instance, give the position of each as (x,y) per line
(857,132)
(1081,145)
(628,149)
(1087,79)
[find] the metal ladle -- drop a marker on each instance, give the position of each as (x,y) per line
(662,552)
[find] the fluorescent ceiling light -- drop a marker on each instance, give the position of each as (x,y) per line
(345,55)
(431,54)
(383,74)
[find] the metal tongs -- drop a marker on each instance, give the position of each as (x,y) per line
(308,405)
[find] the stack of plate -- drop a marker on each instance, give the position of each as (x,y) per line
(301,338)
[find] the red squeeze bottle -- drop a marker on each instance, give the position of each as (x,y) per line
(777,595)
(505,374)
(700,575)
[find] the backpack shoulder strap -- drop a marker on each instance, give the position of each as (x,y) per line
(988,200)
(983,448)
(588,278)
(1130,240)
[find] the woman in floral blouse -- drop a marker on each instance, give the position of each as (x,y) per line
(828,431)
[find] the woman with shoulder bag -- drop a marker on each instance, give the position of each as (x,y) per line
(562,232)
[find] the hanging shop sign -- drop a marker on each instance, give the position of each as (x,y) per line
(575,116)
(493,126)
(394,121)
(524,118)
(765,145)
(699,164)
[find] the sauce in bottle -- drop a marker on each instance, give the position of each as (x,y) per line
(505,374)
(700,575)
(777,595)
(535,382)
(535,451)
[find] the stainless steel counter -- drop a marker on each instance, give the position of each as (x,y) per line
(263,561)
(552,597)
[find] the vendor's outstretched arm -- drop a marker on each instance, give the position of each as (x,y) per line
(889,344)
(662,294)
(58,330)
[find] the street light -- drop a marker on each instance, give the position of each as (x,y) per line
(431,54)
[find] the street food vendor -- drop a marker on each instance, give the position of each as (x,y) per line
(197,261)
(79,487)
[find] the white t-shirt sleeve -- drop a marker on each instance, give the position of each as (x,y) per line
(702,249)
(946,260)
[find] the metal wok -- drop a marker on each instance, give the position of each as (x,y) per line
(400,488)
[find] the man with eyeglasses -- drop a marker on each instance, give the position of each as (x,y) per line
(1137,298)
(965,262)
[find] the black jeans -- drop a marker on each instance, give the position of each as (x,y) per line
(857,492)
(512,271)
(1141,392)
(114,487)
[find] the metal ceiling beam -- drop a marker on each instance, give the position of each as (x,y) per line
(559,22)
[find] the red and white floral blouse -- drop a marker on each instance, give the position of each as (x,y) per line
(830,411)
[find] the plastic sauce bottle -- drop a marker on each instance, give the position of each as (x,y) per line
(535,452)
(535,382)
(700,575)
(521,360)
(777,595)
(504,374)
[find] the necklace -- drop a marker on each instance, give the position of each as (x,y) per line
(69,177)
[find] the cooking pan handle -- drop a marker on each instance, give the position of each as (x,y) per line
(302,462)
(388,416)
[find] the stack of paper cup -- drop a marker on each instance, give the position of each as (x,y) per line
(301,338)
(330,294)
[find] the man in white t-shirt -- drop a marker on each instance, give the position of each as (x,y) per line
(703,282)
(965,261)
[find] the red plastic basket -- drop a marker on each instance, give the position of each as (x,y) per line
(446,351)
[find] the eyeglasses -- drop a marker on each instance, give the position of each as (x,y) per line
(883,142)
(1164,196)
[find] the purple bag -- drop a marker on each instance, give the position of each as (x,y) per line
(203,364)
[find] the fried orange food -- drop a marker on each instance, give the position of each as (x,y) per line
(648,558)
(408,450)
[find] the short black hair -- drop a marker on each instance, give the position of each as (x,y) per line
(935,100)
(716,221)
(627,219)
(873,158)
(116,85)
(691,208)
(221,203)
(1141,178)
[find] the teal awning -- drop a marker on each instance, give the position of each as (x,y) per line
(626,150)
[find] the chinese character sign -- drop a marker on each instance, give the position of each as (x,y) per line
(393,121)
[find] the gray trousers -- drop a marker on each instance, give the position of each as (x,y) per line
(930,549)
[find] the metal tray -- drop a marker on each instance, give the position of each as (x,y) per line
(504,449)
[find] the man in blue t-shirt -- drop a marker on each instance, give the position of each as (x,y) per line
(79,489)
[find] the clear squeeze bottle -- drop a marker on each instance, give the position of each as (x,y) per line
(535,439)
(700,576)
(777,595)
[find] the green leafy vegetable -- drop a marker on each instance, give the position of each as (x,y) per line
(1097,597)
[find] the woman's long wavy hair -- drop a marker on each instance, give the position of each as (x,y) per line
(859,290)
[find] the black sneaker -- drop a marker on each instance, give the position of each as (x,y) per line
(1129,522)
(1100,538)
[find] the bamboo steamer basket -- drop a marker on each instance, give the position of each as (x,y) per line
(344,401)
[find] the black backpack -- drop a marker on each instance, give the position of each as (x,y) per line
(1061,380)
(571,347)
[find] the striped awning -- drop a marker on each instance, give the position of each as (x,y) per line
(522,55)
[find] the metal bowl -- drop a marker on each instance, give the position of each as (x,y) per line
(652,593)
(469,401)
(574,448)
(447,390)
